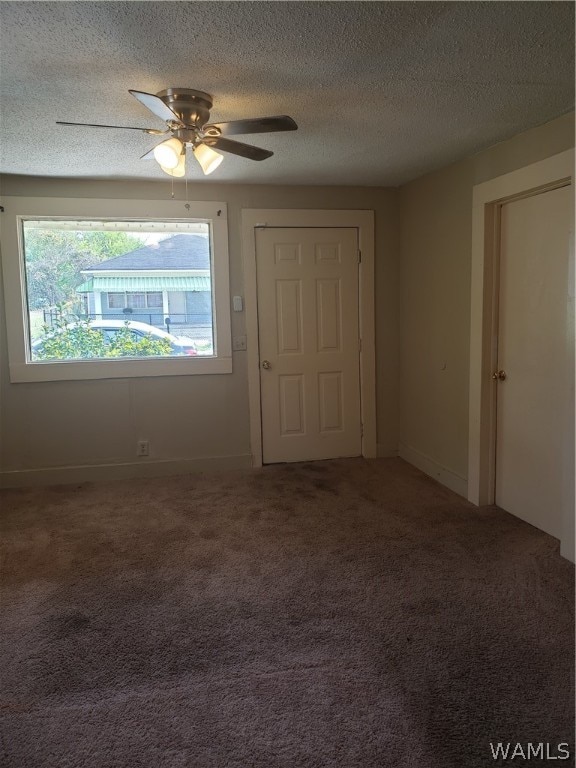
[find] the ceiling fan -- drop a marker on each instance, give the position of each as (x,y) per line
(186,113)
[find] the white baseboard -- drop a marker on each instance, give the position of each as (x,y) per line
(430,467)
(127,471)
(385,452)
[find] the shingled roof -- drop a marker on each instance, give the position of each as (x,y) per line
(177,252)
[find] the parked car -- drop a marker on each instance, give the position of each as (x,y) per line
(180,345)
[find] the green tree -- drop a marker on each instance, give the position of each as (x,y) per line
(55,259)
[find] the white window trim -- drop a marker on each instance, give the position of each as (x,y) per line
(22,369)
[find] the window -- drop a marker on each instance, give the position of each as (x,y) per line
(135,300)
(116,300)
(122,300)
(155,299)
(103,289)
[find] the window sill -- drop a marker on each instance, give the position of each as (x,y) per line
(118,369)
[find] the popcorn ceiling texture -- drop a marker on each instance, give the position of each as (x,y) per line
(382,91)
(339,614)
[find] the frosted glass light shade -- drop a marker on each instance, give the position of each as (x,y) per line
(180,169)
(168,153)
(208,159)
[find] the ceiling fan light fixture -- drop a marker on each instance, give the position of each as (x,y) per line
(180,169)
(208,159)
(168,153)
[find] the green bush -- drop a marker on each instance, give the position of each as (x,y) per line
(82,341)
(126,344)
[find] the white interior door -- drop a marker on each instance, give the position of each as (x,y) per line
(308,325)
(535,428)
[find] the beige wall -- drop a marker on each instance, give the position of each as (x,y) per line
(94,423)
(435,259)
(425,324)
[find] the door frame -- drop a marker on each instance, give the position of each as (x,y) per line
(363,221)
(488,199)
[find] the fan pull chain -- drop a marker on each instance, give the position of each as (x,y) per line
(186,170)
(172,185)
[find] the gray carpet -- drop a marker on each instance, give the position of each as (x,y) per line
(348,614)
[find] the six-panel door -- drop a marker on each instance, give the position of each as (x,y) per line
(309,343)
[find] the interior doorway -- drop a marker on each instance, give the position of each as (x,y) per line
(534,375)
(521,446)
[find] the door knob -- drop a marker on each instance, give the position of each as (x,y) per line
(266,365)
(499,375)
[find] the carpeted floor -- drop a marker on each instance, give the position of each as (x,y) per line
(349,614)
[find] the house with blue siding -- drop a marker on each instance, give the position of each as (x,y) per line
(166,284)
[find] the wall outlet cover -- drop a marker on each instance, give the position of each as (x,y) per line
(142,448)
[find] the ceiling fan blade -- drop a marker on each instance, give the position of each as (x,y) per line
(156,105)
(148,155)
(255,125)
(152,131)
(237,148)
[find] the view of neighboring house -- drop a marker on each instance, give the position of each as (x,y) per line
(166,284)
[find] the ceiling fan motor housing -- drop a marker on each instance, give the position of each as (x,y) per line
(192,107)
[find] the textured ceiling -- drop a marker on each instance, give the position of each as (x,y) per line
(382,91)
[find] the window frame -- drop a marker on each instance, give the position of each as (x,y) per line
(147,295)
(23,369)
(126,305)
